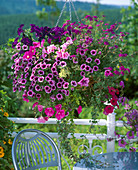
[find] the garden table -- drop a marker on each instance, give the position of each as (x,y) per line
(109,161)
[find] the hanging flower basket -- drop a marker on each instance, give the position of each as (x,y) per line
(63,69)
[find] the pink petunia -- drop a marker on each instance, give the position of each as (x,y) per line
(79,109)
(35,104)
(84,82)
(60,114)
(58,107)
(41,119)
(40,108)
(49,111)
(27,55)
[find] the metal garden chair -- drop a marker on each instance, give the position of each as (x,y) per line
(33,149)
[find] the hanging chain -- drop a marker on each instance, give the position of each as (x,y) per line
(61,14)
(75,11)
(70,2)
(70,10)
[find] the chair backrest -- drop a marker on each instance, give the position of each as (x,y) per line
(33,149)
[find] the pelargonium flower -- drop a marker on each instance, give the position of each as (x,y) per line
(108,109)
(113,101)
(49,111)
(93,52)
(27,55)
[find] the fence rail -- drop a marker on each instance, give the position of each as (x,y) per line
(110,123)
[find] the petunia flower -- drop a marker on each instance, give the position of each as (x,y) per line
(40,108)
(60,114)
(122,143)
(49,111)
(79,109)
(84,82)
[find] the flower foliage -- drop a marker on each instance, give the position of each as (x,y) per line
(6,128)
(130,120)
(63,69)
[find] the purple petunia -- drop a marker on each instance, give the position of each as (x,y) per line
(93,52)
(63,63)
(59,85)
(40,72)
(88,60)
(87,68)
(30,93)
(37,88)
(65,85)
(23,81)
(41,79)
(59,96)
(82,67)
(95,68)
(97,61)
(74,83)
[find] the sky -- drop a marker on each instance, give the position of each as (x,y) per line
(113,2)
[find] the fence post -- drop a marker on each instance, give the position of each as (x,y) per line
(110,132)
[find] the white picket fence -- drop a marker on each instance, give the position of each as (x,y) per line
(110,123)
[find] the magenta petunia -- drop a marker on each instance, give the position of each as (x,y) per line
(60,114)
(82,67)
(58,107)
(34,105)
(49,111)
(79,109)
